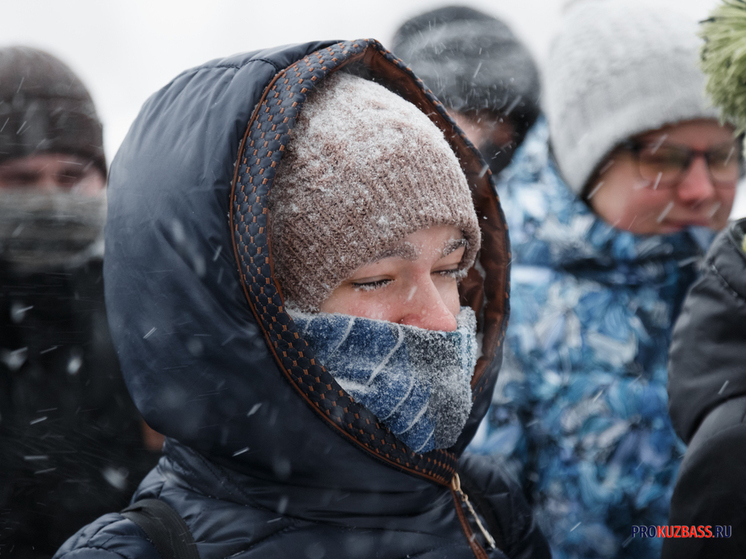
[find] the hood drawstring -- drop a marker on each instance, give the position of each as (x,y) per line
(456,486)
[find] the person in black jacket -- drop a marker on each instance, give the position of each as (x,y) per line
(707,402)
(71,446)
(706,381)
(287,230)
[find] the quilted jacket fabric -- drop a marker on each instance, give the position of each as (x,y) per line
(266,455)
(581,415)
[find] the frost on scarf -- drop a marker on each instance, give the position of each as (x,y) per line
(415,381)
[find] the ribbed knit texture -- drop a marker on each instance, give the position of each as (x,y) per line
(618,68)
(364,168)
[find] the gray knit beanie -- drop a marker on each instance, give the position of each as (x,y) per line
(363,169)
(616,69)
(44,107)
(471,61)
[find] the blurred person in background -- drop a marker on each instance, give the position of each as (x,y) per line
(611,203)
(707,368)
(71,441)
(481,72)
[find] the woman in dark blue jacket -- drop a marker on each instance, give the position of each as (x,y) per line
(266,454)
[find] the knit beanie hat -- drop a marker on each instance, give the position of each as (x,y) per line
(616,69)
(471,61)
(363,169)
(44,107)
(724,60)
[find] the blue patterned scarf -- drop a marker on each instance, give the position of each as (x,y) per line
(415,381)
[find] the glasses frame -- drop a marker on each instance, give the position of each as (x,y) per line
(635,147)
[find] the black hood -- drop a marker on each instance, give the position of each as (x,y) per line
(708,351)
(208,352)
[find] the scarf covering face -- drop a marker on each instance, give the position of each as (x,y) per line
(415,381)
(47,230)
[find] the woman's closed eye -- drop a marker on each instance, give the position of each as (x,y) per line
(456,272)
(369,284)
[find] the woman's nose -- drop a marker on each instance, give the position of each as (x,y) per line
(696,186)
(427,308)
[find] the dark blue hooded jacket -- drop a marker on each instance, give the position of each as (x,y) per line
(266,455)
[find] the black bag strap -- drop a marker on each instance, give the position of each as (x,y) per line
(164,527)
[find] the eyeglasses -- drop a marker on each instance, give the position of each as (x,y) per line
(664,165)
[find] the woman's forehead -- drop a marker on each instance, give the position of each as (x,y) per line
(442,240)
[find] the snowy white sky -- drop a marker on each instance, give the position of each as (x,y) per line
(126,49)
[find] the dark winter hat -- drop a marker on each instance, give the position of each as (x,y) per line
(44,107)
(471,61)
(363,169)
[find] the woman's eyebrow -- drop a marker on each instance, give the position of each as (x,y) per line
(453,245)
(407,251)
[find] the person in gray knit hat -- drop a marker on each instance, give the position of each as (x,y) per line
(611,201)
(621,77)
(483,74)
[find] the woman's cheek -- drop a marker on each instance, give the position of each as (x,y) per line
(644,210)
(371,305)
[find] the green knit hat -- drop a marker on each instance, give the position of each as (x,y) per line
(724,60)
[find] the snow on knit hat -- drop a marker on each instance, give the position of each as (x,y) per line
(44,107)
(471,61)
(363,169)
(616,69)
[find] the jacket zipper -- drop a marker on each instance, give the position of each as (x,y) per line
(460,497)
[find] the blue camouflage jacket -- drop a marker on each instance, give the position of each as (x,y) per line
(580,413)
